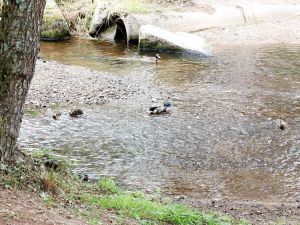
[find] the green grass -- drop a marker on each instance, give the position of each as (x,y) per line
(108,185)
(101,197)
(48,200)
(31,112)
(41,153)
(143,208)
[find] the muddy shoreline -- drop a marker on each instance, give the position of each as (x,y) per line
(59,85)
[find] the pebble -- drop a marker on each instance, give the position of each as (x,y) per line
(154,99)
(70,84)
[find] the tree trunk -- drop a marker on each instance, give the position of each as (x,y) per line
(19,37)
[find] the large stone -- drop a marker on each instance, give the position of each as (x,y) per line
(55,27)
(155,38)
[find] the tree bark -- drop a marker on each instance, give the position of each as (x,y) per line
(19,37)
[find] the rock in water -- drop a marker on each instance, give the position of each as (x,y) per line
(155,38)
(76,113)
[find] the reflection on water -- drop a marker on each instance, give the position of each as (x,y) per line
(220,140)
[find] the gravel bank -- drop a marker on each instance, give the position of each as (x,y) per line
(55,83)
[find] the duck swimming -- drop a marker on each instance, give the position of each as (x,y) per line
(157,110)
(157,58)
(152,59)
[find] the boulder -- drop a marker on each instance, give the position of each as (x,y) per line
(55,27)
(157,39)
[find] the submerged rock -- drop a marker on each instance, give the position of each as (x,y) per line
(54,27)
(155,38)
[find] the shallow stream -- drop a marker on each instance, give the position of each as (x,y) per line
(220,141)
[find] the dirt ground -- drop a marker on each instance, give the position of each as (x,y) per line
(23,208)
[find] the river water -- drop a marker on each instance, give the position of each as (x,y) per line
(220,140)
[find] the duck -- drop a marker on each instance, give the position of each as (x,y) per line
(56,115)
(158,110)
(76,113)
(152,59)
(157,58)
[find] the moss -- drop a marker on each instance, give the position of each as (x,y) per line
(54,28)
(158,46)
(54,35)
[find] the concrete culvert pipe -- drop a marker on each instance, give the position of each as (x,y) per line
(112,27)
(124,26)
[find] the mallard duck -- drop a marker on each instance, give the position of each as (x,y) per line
(56,115)
(157,110)
(76,113)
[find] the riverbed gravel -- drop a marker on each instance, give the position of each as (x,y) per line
(54,84)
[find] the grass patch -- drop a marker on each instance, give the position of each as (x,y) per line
(41,153)
(108,185)
(32,112)
(95,200)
